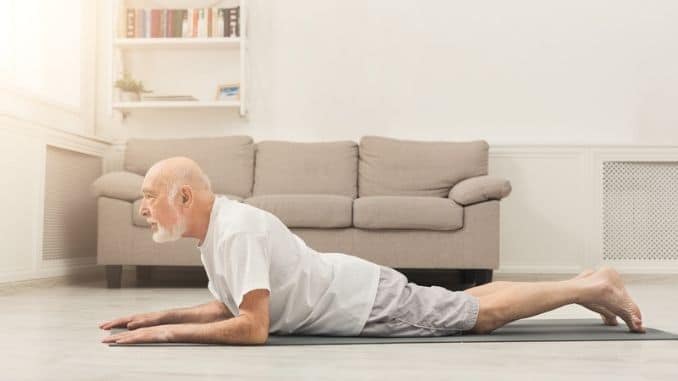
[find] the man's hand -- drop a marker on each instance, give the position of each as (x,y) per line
(250,327)
(157,334)
(136,321)
(241,330)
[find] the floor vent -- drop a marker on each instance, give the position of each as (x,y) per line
(640,211)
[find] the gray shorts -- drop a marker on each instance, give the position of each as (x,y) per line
(402,308)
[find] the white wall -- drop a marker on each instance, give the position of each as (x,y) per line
(37,63)
(577,75)
(520,71)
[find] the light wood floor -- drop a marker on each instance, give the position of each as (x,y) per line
(49,332)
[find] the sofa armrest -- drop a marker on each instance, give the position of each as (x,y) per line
(480,189)
(120,185)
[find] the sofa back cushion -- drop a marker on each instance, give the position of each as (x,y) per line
(284,167)
(228,161)
(398,167)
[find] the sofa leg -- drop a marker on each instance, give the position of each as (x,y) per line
(477,277)
(113,276)
(143,273)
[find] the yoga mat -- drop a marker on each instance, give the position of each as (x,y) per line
(520,330)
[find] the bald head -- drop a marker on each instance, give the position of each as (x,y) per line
(173,173)
(177,199)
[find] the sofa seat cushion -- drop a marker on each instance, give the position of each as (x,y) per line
(307,210)
(407,212)
(138,220)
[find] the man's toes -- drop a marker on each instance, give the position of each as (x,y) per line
(609,319)
(635,320)
(638,325)
(634,323)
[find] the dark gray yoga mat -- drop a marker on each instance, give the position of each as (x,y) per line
(520,330)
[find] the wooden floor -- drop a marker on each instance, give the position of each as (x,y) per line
(49,332)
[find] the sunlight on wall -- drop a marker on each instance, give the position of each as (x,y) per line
(40,48)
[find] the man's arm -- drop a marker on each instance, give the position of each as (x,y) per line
(250,327)
(204,313)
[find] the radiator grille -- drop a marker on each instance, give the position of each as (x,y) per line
(70,220)
(640,211)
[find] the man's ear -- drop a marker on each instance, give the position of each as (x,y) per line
(186,196)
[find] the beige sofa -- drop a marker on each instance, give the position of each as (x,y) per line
(405,204)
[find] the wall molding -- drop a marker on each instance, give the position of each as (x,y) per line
(38,137)
(587,162)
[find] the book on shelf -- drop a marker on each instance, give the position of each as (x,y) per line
(182,23)
(158,98)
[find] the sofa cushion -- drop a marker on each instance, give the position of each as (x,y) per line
(139,220)
(307,210)
(407,212)
(306,168)
(228,161)
(390,166)
(120,185)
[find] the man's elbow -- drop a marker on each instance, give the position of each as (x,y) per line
(241,331)
(256,329)
(261,339)
(259,334)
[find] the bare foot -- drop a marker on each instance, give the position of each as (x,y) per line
(609,291)
(608,317)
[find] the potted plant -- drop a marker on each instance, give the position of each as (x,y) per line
(130,89)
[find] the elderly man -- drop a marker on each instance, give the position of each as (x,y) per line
(265,279)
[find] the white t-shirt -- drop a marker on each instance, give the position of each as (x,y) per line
(311,293)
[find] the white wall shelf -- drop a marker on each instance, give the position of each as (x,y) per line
(218,59)
(128,106)
(206,42)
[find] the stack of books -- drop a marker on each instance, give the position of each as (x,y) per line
(182,23)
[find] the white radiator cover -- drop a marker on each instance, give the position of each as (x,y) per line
(640,211)
(70,214)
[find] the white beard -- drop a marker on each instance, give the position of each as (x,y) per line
(173,234)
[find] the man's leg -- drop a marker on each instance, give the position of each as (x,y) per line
(608,317)
(525,299)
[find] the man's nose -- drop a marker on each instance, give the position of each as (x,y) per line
(143,211)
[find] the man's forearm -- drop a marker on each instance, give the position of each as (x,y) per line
(204,313)
(238,330)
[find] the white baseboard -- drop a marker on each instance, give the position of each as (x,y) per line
(28,275)
(521,269)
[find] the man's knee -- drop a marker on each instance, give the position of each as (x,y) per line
(482,327)
(489,317)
